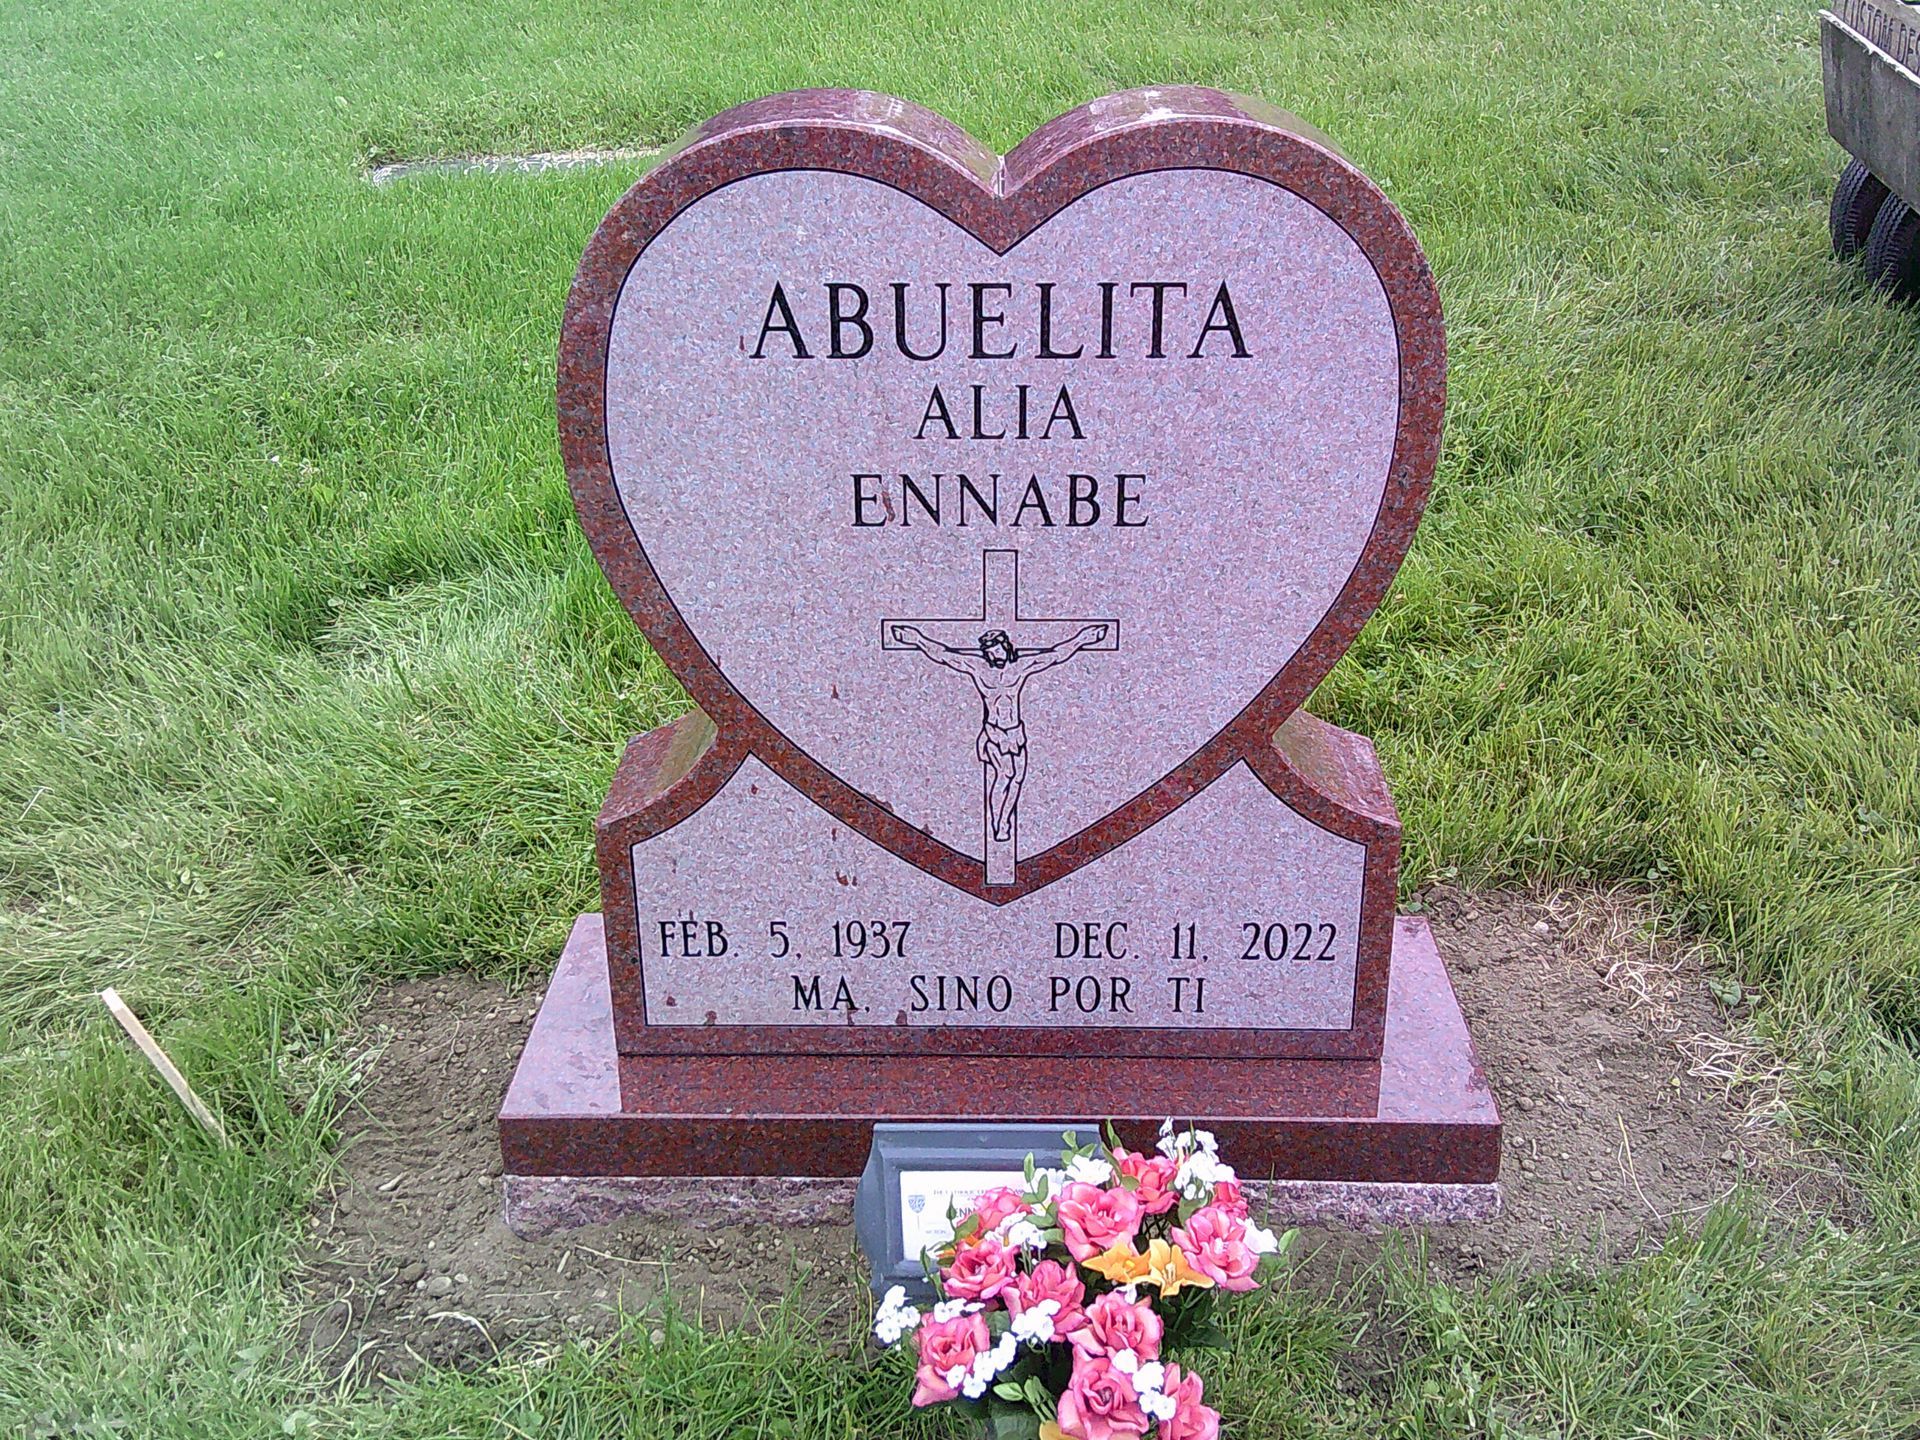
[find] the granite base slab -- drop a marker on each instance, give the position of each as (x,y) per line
(537,1205)
(1422,1115)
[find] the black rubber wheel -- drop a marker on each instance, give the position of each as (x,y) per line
(1893,251)
(1857,199)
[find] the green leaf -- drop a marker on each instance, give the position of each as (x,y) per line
(1008,1422)
(1207,1336)
(1007,1390)
(1029,1169)
(1040,1398)
(1188,1313)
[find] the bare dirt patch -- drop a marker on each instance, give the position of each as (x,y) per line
(535,163)
(1628,1098)
(1629,1103)
(408,1260)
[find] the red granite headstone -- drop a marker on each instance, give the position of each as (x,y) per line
(998,515)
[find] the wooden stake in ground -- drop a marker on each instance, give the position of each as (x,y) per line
(169,1072)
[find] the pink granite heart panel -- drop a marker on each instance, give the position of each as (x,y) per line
(1001,506)
(768,491)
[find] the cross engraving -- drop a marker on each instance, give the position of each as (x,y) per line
(988,651)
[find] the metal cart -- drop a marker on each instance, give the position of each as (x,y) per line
(1870,66)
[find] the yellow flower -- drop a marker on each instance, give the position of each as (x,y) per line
(1169,1268)
(1163,1265)
(1051,1431)
(1122,1264)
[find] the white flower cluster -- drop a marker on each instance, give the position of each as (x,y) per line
(1034,1325)
(1176,1143)
(987,1364)
(953,1309)
(1260,1240)
(1090,1170)
(1147,1377)
(1198,1154)
(1159,1407)
(895,1317)
(1020,1233)
(1199,1172)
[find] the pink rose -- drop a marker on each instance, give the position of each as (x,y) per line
(1094,1220)
(943,1345)
(1053,1281)
(980,1271)
(1192,1420)
(1226,1194)
(1114,1324)
(1099,1403)
(996,1205)
(1155,1174)
(1216,1245)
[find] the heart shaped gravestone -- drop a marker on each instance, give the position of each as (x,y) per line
(998,516)
(1174,371)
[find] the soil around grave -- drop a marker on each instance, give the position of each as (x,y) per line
(1629,1104)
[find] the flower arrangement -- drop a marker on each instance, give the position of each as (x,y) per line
(1062,1304)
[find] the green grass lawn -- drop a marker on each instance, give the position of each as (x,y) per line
(308,681)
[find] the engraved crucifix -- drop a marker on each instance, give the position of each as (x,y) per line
(984,649)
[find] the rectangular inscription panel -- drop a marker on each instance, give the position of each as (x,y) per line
(762,910)
(916,1172)
(927,1195)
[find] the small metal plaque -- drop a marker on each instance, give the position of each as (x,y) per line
(915,1171)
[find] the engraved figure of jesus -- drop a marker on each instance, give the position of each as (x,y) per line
(1000,672)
